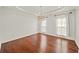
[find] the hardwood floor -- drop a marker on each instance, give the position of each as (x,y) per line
(40,43)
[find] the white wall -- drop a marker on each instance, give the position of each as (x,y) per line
(39,26)
(77,26)
(15,24)
(51,25)
(71,22)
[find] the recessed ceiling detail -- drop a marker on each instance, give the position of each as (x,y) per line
(37,10)
(41,10)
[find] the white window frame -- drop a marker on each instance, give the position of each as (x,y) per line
(43,25)
(62,25)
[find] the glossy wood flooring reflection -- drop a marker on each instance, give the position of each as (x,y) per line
(40,43)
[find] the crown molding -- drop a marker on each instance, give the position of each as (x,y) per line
(53,12)
(21,9)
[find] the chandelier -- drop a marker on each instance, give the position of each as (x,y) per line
(41,15)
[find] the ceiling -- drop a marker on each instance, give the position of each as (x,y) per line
(39,9)
(42,10)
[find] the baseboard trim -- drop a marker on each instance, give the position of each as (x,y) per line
(70,38)
(77,44)
(19,37)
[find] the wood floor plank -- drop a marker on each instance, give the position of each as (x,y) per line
(40,43)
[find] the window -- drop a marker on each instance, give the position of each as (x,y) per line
(61,25)
(43,26)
